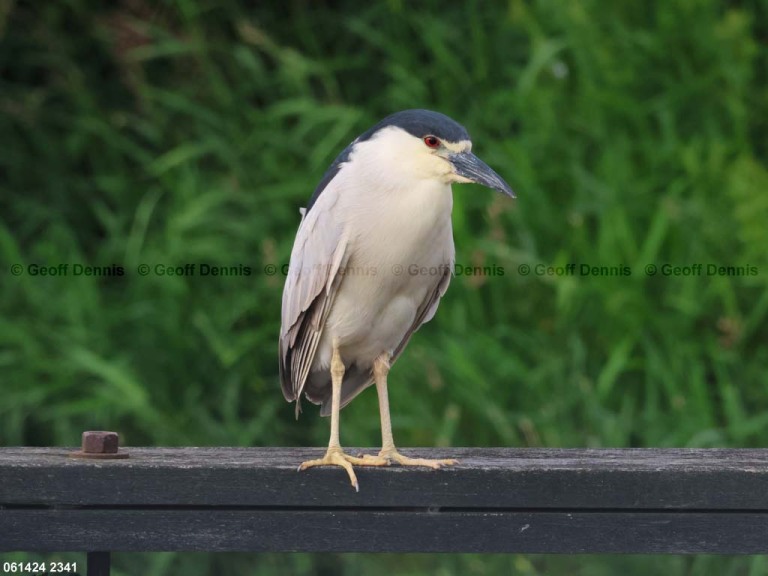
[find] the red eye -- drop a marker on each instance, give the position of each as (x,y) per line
(432,141)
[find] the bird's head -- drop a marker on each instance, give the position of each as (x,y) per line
(421,144)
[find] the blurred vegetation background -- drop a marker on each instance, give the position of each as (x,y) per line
(190,132)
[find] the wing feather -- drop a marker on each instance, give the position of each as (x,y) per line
(319,252)
(426,310)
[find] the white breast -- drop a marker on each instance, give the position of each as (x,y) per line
(400,242)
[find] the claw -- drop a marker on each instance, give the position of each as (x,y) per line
(335,457)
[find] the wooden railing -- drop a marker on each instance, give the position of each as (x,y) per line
(668,501)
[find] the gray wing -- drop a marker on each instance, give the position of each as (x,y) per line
(427,309)
(319,251)
(357,381)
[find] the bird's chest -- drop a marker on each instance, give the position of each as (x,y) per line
(408,231)
(396,261)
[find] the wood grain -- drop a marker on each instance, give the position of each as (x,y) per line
(495,500)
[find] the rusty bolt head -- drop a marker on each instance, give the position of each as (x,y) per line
(99,444)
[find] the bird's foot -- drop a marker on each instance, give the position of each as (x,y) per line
(336,457)
(392,455)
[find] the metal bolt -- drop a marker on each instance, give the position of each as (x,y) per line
(100,442)
(100,445)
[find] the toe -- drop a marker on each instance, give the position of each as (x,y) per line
(334,458)
(342,461)
(369,460)
(434,464)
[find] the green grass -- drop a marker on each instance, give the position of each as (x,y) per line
(191,132)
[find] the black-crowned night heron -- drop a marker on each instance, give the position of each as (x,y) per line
(372,258)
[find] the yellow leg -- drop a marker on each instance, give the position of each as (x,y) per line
(388,450)
(335,456)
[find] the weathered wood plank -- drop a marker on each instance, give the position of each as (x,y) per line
(636,479)
(384,531)
(495,500)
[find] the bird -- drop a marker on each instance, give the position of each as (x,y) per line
(373,256)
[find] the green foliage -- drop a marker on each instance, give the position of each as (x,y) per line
(191,132)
